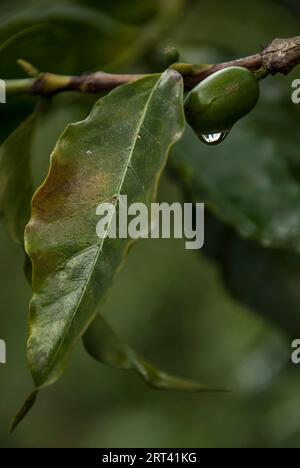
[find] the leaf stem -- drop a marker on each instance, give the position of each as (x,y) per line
(22,86)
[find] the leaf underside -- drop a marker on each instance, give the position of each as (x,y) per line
(106,347)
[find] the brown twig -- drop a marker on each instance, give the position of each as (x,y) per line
(281,56)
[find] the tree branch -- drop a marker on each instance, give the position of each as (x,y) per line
(281,56)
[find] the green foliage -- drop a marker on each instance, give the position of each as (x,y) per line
(265,280)
(106,347)
(246,181)
(16,186)
(39,33)
(249,184)
(72,268)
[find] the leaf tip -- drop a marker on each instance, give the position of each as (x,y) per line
(26,407)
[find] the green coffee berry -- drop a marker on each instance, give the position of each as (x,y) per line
(220,100)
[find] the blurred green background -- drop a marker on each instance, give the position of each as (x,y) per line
(179,309)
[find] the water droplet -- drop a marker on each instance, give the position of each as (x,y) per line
(214,138)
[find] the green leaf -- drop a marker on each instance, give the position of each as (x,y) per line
(106,347)
(16,187)
(89,38)
(246,182)
(265,280)
(121,148)
(28,404)
(132,12)
(199,25)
